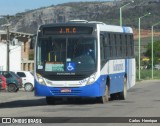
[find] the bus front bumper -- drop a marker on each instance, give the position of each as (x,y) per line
(93,90)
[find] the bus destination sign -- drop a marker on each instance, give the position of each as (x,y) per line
(61,30)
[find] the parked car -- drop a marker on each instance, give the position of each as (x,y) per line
(3,83)
(14,82)
(157,67)
(27,80)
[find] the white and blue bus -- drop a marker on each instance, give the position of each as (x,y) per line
(84,59)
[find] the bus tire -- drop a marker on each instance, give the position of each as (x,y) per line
(50,100)
(105,98)
(123,94)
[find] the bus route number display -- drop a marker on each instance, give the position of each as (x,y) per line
(61,30)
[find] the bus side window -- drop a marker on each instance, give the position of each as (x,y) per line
(124,45)
(128,45)
(132,45)
(106,41)
(107,46)
(102,39)
(121,45)
(118,44)
(113,51)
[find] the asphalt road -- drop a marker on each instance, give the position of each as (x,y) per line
(143,100)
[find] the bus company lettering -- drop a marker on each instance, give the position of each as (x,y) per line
(118,66)
(67,30)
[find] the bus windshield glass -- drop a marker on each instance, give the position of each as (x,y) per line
(66,54)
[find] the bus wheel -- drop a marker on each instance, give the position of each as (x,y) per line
(50,100)
(123,94)
(105,98)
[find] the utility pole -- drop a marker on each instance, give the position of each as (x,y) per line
(139,43)
(7,17)
(8,49)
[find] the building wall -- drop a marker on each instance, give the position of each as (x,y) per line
(25,49)
(15,57)
(19,54)
(26,63)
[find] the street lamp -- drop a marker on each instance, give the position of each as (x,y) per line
(152,45)
(121,11)
(139,42)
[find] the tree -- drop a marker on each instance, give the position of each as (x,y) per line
(156,52)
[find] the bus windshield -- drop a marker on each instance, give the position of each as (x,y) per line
(63,54)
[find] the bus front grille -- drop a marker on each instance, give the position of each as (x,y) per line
(66,77)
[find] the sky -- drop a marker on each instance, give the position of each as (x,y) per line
(12,7)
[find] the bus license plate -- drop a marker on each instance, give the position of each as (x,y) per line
(65,90)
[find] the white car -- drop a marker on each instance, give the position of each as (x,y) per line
(157,67)
(27,80)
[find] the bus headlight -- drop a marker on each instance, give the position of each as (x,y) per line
(48,82)
(40,79)
(91,79)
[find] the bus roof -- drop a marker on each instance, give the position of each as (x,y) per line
(102,26)
(114,28)
(105,27)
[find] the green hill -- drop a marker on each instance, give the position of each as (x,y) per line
(107,12)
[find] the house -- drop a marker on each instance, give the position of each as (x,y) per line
(21,41)
(15,57)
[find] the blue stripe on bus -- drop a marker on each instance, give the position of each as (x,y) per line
(116,83)
(93,90)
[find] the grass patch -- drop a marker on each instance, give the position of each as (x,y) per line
(147,74)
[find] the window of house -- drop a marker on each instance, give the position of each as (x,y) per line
(25,45)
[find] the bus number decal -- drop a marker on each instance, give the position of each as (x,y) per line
(118,66)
